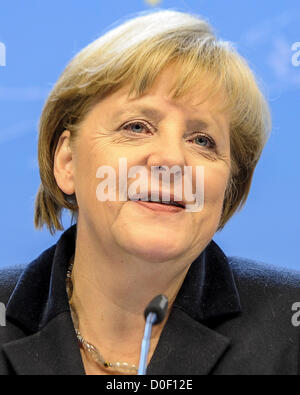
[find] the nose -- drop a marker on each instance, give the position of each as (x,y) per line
(167,151)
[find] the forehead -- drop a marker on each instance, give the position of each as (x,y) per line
(159,99)
(166,84)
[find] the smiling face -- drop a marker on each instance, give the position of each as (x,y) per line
(152,130)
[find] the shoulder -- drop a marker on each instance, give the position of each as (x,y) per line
(263,274)
(9,276)
(265,335)
(262,286)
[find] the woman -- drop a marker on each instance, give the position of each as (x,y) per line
(160,92)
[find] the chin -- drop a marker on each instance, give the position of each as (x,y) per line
(155,248)
(155,255)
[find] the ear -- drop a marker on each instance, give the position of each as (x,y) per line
(63,164)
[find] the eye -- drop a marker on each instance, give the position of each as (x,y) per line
(136,127)
(204,141)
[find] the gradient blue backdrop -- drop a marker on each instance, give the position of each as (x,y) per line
(41,37)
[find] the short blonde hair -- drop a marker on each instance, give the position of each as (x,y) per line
(135,52)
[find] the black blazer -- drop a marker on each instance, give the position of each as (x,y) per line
(231,316)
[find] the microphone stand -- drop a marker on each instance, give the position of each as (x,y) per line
(154,314)
(146,343)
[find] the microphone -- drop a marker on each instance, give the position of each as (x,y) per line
(154,313)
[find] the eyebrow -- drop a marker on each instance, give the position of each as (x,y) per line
(157,115)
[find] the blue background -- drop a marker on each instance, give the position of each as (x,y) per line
(42,36)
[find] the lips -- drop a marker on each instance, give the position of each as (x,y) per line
(173,201)
(166,203)
(159,207)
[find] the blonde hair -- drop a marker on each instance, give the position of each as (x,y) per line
(135,52)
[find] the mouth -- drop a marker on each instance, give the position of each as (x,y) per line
(169,203)
(162,206)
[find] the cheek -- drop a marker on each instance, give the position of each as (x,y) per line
(85,167)
(215,183)
(88,160)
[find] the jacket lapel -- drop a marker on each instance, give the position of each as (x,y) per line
(208,297)
(51,351)
(186,347)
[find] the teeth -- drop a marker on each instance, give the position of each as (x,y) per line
(171,203)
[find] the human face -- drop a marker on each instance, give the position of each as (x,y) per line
(173,139)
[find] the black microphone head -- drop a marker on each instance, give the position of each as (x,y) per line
(158,305)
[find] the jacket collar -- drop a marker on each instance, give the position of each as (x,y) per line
(40,294)
(39,306)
